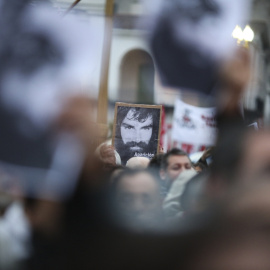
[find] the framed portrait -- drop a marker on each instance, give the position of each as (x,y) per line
(136,130)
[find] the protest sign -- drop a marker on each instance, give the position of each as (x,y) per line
(189,39)
(194,128)
(44,60)
(136,130)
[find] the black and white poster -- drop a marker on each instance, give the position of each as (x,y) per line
(43,60)
(136,130)
(190,39)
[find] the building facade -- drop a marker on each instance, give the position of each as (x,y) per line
(132,74)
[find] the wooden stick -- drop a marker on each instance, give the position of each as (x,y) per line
(72,6)
(104,75)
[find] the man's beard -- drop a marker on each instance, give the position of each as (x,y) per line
(126,152)
(141,146)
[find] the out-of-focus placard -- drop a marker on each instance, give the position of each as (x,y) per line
(44,59)
(194,128)
(190,37)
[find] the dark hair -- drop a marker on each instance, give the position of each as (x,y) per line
(140,114)
(172,152)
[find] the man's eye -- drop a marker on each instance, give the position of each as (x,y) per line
(128,127)
(147,128)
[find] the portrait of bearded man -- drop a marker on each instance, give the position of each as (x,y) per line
(136,132)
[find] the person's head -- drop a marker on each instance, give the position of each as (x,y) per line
(137,195)
(138,163)
(173,163)
(136,131)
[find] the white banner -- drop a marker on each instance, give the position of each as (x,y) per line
(194,128)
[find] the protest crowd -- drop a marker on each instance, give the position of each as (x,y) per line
(132,206)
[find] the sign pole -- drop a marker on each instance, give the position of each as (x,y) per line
(103,86)
(72,6)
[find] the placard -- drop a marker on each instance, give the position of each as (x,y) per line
(190,39)
(194,128)
(136,130)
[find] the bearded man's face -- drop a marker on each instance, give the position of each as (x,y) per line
(135,134)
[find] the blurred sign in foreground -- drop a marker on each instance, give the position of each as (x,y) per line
(44,59)
(190,38)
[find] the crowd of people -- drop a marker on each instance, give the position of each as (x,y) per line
(159,213)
